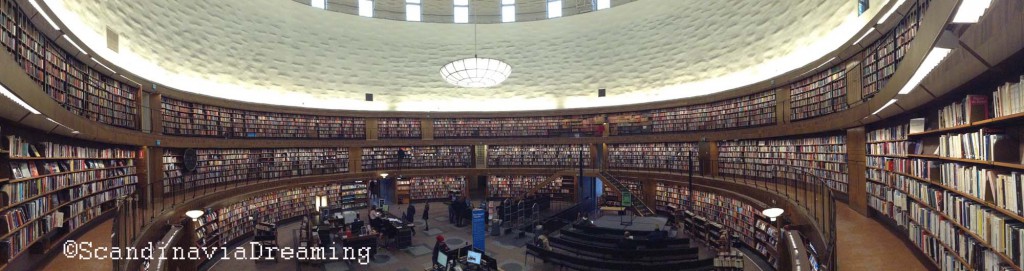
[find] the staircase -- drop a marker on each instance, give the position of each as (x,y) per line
(638,205)
(545,183)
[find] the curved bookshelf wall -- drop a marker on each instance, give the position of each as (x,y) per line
(72,83)
(193,119)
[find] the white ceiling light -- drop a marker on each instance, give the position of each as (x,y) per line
(476,72)
(35,5)
(970,11)
(884,106)
(891,11)
(7,93)
(772,213)
(930,62)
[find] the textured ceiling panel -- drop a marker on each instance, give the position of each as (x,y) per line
(283,52)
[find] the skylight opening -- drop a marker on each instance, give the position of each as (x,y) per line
(412,10)
(461,11)
(554,8)
(366,8)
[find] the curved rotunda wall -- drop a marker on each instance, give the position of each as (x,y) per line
(285,53)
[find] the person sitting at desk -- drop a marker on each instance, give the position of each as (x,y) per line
(439,247)
(627,242)
(357,226)
(542,241)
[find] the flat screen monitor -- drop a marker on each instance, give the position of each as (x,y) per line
(384,208)
(442,259)
(473,257)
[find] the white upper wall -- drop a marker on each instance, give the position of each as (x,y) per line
(286,53)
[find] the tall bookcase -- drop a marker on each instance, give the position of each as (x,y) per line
(399,128)
(56,187)
(427,188)
(83,90)
(184,118)
(654,156)
(748,111)
(954,187)
(819,157)
(221,166)
(542,156)
(354,196)
(819,94)
(581,125)
(883,56)
(378,158)
(710,213)
(237,220)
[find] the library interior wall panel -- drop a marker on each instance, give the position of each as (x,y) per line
(793,159)
(302,45)
(223,166)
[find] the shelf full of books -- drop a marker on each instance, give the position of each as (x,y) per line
(354,195)
(748,111)
(379,158)
(74,85)
(883,56)
(613,197)
(517,186)
(399,128)
(435,187)
(819,94)
(222,166)
(558,126)
(184,118)
(795,159)
(716,212)
(57,188)
(238,219)
(674,157)
(540,156)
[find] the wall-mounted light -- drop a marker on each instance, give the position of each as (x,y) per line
(884,106)
(104,66)
(194,214)
(10,95)
(970,11)
(384,175)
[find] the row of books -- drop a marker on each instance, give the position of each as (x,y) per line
(377,158)
(399,128)
(354,195)
(987,144)
(27,169)
(891,148)
(1008,99)
(559,156)
(514,186)
(74,85)
(972,108)
(883,56)
(657,156)
(239,218)
(581,125)
(435,187)
(738,216)
(20,148)
(195,119)
(793,159)
(1003,189)
(747,111)
(613,197)
(819,94)
(19,191)
(219,166)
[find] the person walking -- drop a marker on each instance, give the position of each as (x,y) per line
(426,210)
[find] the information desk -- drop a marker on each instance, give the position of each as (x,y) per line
(461,254)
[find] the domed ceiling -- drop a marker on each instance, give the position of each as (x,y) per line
(287,53)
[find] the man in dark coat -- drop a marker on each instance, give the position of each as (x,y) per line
(426,210)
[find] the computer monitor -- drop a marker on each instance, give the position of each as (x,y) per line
(442,260)
(384,208)
(473,257)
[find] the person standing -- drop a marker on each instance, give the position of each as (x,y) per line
(426,210)
(410,213)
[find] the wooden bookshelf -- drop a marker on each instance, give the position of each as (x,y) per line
(399,128)
(709,213)
(56,188)
(821,157)
(882,57)
(539,156)
(418,157)
(71,83)
(184,118)
(560,126)
(516,186)
(819,94)
(238,219)
(748,111)
(654,156)
(354,196)
(221,166)
(428,188)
